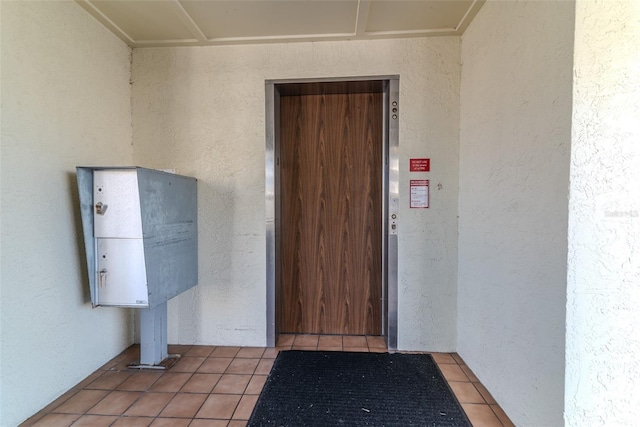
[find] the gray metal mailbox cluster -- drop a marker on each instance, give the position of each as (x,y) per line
(140,234)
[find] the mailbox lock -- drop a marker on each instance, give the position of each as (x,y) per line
(100,208)
(102,279)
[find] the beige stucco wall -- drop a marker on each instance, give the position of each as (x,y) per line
(514,168)
(65,102)
(603,292)
(202,112)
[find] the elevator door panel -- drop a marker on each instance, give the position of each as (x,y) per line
(331,196)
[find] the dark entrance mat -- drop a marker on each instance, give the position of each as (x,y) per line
(309,388)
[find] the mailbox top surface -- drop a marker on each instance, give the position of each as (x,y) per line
(103,168)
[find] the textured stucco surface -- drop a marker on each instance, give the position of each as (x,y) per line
(515,135)
(65,102)
(201,111)
(603,299)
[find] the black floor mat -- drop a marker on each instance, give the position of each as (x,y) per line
(309,388)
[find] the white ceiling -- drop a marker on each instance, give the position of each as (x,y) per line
(146,23)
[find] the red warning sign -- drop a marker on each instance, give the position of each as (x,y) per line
(419,165)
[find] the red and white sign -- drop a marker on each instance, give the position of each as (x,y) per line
(419,194)
(419,165)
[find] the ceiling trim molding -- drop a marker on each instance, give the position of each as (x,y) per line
(362,17)
(414,33)
(468,17)
(295,39)
(186,19)
(106,21)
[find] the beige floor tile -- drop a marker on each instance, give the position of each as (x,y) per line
(95,421)
(330,341)
(139,381)
(377,349)
(170,382)
(279,348)
(270,353)
(285,340)
(209,423)
(219,406)
(304,348)
(354,341)
(201,383)
(215,365)
(116,403)
(232,384)
(200,351)
(171,422)
(242,366)
(502,416)
(188,364)
(329,348)
(111,364)
(466,392)
(481,415)
(485,394)
(264,367)
(306,341)
(179,349)
(225,352)
(356,349)
(56,420)
(469,373)
(133,422)
(126,362)
(443,358)
(376,342)
(149,405)
(458,359)
(251,352)
(57,402)
(245,407)
(109,380)
(237,423)
(81,402)
(183,405)
(256,384)
(452,372)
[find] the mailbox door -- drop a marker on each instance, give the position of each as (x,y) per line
(121,276)
(116,201)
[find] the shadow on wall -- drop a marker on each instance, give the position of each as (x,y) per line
(189,311)
(72,185)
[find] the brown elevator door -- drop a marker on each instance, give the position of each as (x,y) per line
(331,215)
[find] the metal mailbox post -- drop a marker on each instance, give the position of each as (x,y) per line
(141,244)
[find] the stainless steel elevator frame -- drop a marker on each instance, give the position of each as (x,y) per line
(390,205)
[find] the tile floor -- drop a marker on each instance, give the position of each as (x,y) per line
(219,386)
